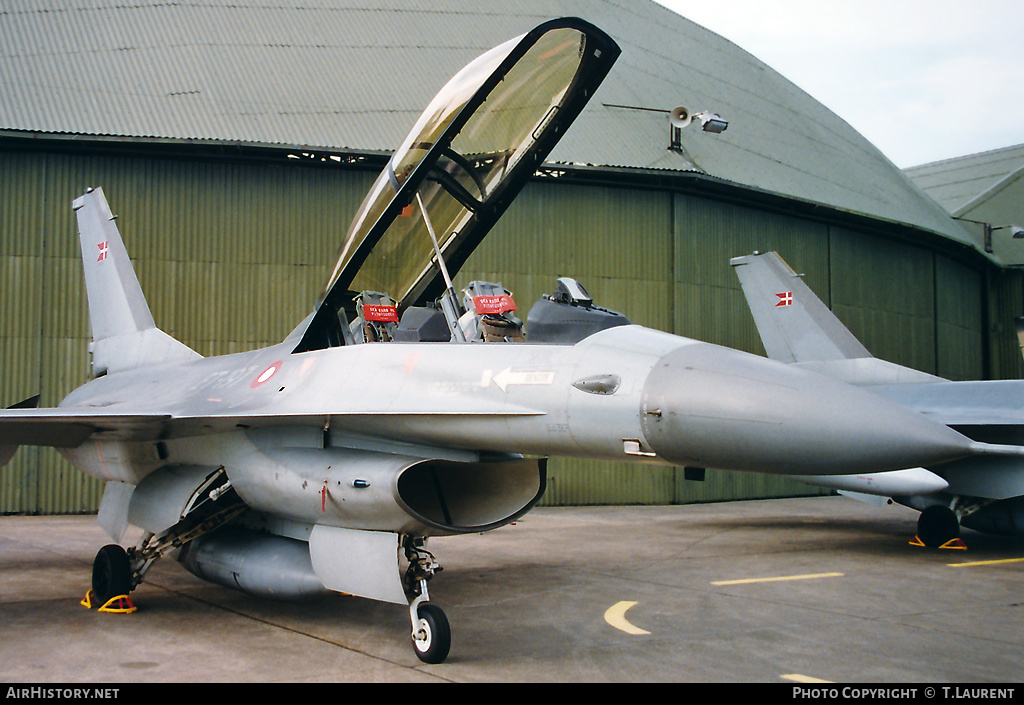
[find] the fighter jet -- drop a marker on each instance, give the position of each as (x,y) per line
(984,493)
(398,410)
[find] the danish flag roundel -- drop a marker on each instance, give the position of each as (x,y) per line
(266,375)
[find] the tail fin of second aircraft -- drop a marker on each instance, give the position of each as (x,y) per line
(796,327)
(124,333)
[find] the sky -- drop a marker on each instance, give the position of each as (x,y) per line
(923,80)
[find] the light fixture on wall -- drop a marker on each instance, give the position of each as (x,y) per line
(709,122)
(1016,231)
(679,118)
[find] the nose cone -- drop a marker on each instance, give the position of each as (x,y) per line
(710,406)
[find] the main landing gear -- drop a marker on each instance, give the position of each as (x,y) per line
(111,581)
(116,572)
(939,525)
(431,634)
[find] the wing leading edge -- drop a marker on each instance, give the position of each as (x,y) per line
(59,428)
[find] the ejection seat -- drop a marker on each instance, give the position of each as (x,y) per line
(489,316)
(376,318)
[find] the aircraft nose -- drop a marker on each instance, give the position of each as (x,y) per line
(708,406)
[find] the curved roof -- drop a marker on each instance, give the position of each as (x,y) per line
(352,76)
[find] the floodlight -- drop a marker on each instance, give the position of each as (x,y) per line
(712,122)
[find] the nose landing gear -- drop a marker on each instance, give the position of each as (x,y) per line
(431,633)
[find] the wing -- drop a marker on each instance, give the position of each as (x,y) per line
(60,428)
(69,429)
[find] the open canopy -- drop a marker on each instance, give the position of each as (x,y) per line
(468,156)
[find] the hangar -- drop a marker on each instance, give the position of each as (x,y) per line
(236,138)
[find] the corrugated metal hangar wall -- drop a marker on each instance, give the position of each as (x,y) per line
(232,253)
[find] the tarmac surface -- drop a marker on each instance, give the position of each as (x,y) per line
(830,590)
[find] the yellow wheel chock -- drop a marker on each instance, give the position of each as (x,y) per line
(952,544)
(119,604)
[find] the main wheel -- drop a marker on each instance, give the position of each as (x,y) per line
(937,525)
(111,573)
(433,637)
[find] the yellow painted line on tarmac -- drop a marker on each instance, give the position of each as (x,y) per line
(747,581)
(616,616)
(971,564)
(800,678)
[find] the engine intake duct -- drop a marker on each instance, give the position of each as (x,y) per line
(370,490)
(466,497)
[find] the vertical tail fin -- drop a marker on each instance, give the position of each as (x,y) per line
(123,331)
(117,305)
(796,327)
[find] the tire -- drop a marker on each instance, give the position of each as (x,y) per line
(937,525)
(111,573)
(433,647)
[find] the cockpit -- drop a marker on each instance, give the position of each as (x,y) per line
(468,156)
(489,316)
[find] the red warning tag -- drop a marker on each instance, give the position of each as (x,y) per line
(496,305)
(380,313)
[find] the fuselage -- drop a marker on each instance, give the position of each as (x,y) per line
(626,393)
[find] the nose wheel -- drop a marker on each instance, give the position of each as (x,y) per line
(431,635)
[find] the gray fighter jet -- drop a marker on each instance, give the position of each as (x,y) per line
(396,411)
(984,493)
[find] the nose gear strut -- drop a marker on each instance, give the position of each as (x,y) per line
(431,633)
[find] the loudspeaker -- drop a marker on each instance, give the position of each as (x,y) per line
(680,117)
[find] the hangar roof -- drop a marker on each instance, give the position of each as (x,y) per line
(981,188)
(352,75)
(958,183)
